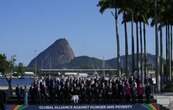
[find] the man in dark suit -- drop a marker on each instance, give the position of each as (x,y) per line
(148,92)
(17,94)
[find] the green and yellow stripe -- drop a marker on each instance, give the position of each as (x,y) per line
(18,107)
(151,106)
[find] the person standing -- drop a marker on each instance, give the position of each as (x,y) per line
(148,92)
(26,96)
(140,92)
(127,91)
(18,94)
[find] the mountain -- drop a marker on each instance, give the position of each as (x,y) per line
(91,62)
(84,62)
(55,56)
(60,55)
(150,61)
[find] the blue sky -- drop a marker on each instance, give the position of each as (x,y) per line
(29,25)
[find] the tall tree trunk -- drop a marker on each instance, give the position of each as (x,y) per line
(166,43)
(126,48)
(133,47)
(145,54)
(161,58)
(157,60)
(118,42)
(169,53)
(137,50)
(141,53)
(157,50)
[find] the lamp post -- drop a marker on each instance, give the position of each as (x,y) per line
(13,59)
(103,66)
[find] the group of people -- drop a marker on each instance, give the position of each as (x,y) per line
(98,90)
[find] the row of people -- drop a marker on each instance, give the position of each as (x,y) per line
(86,90)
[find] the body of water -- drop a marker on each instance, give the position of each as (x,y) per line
(15,82)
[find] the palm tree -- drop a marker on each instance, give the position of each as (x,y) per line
(157,48)
(161,57)
(166,19)
(161,44)
(141,15)
(167,45)
(133,47)
(141,51)
(112,4)
(136,18)
(145,17)
(130,18)
(140,12)
(145,53)
(126,44)
(118,41)
(137,48)
(129,15)
(131,10)
(155,21)
(171,50)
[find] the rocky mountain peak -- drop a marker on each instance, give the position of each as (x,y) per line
(55,56)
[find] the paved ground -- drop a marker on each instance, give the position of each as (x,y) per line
(170,106)
(165,99)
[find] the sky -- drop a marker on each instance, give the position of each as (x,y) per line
(27,27)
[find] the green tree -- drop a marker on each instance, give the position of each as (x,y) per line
(5,69)
(159,12)
(126,45)
(113,5)
(4,64)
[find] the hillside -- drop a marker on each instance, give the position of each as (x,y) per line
(55,56)
(60,55)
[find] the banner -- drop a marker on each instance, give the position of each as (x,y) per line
(151,106)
